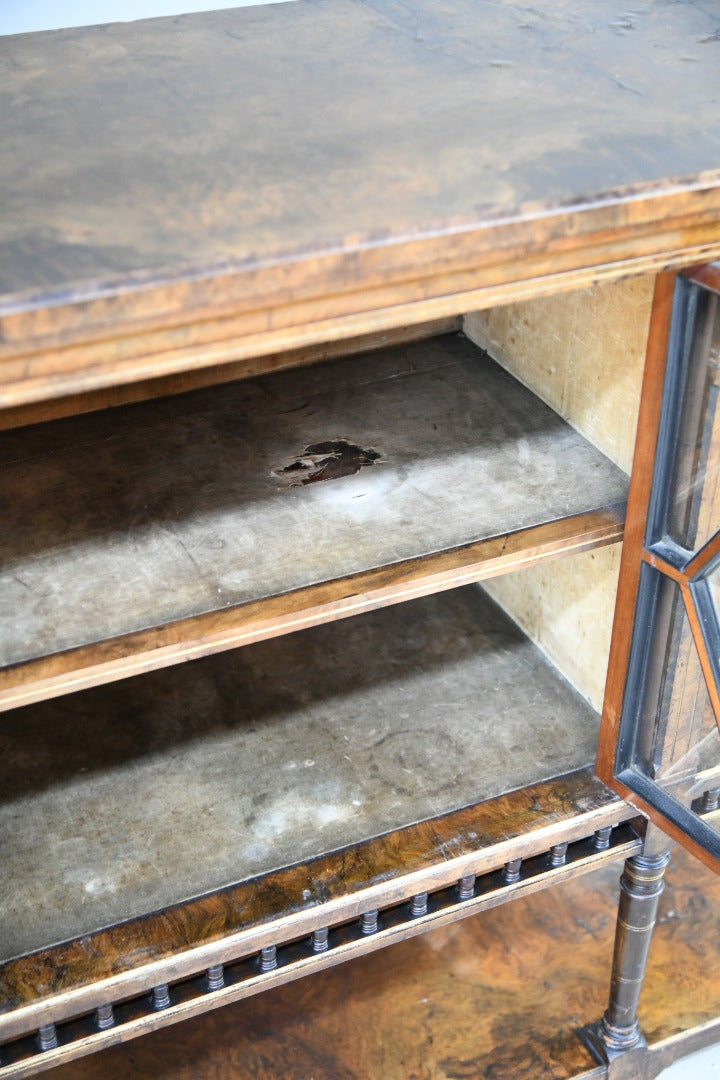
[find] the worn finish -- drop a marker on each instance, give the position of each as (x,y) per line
(291,903)
(159,513)
(124,800)
(228,203)
(126,393)
(501,995)
(232,199)
(276,965)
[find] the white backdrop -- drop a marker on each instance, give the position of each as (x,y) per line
(22,16)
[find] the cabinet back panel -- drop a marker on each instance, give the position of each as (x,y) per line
(582,352)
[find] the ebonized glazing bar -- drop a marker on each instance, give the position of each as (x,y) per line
(670,764)
(230,199)
(160,532)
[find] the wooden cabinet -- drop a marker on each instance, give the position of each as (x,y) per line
(244,399)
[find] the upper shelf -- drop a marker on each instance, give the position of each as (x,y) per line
(159,532)
(189,191)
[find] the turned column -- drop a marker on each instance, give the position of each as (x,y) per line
(641,885)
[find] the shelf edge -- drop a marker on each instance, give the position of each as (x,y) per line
(158,324)
(201,635)
(283,906)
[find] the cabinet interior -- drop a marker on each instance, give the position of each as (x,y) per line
(125,799)
(241,486)
(583,353)
(349,485)
(236,510)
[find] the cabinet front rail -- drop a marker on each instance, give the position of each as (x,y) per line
(286,960)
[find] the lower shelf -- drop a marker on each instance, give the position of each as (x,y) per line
(499,996)
(126,799)
(280,962)
(191,818)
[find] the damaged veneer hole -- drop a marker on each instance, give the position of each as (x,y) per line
(325,461)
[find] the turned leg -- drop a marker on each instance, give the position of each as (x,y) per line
(640,887)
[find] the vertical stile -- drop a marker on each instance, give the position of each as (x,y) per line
(369,922)
(161,996)
(710,800)
(268,958)
(47,1037)
(511,871)
(319,940)
(215,977)
(419,905)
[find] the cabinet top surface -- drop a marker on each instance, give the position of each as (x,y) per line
(266,134)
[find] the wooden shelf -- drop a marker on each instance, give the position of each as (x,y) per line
(179,782)
(226,201)
(216,787)
(161,532)
(501,995)
(291,960)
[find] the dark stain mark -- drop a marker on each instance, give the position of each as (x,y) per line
(326,461)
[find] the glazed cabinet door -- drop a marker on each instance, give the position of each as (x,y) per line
(660,738)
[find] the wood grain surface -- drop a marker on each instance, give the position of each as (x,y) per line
(500,995)
(149,534)
(126,799)
(181,941)
(185,192)
(111,397)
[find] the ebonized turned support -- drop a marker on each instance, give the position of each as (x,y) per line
(641,885)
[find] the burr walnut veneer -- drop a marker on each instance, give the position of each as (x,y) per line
(271,282)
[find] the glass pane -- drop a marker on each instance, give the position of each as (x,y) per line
(694,495)
(678,739)
(712,577)
(706,598)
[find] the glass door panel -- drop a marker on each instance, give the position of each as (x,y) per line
(662,708)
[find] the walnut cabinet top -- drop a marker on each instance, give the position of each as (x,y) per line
(181,192)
